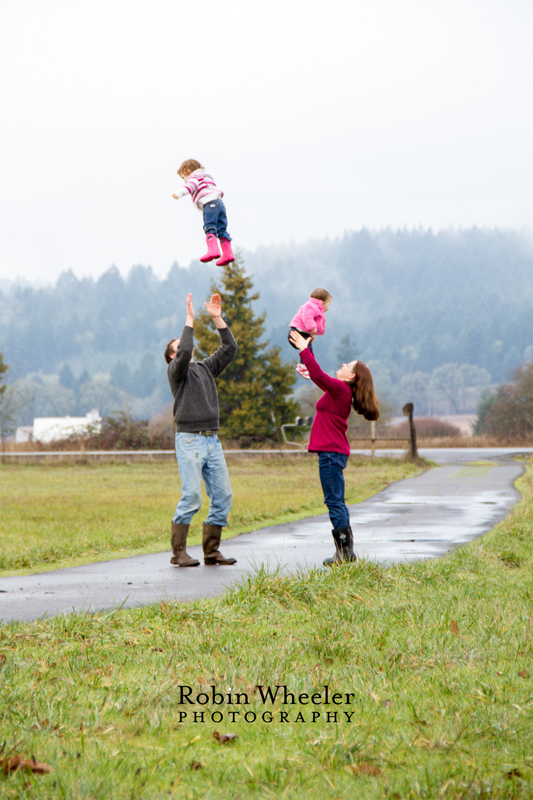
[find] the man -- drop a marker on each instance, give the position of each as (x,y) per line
(198,449)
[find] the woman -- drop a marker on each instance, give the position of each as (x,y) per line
(352,387)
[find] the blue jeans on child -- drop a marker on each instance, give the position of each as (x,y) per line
(330,468)
(202,457)
(215,219)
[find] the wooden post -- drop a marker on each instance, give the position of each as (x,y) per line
(408,411)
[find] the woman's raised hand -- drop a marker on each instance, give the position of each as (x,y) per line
(298,340)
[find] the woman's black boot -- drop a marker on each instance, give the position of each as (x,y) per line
(343,547)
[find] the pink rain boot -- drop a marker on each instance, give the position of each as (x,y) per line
(212,248)
(227,253)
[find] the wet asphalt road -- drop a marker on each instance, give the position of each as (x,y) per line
(421,517)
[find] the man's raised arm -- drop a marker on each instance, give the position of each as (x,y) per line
(180,363)
(227,351)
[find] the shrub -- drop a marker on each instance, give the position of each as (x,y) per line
(426,428)
(120,432)
(161,429)
(508,414)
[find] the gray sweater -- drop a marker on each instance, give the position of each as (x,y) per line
(193,384)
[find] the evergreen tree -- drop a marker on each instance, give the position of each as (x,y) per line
(487,402)
(346,350)
(84,377)
(121,376)
(257,384)
(144,378)
(67,379)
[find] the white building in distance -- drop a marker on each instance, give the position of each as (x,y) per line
(50,429)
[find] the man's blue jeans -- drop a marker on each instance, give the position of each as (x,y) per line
(202,457)
(215,219)
(330,467)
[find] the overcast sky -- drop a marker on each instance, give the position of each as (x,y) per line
(313,117)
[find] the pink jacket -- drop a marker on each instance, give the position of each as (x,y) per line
(310,316)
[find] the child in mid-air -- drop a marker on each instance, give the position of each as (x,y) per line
(310,321)
(207,197)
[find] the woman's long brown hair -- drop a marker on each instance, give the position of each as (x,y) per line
(364,398)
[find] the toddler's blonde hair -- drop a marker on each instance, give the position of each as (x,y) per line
(189,166)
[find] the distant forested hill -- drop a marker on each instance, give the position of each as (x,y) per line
(407,301)
(41,328)
(416,298)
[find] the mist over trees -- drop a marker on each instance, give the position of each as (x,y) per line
(436,316)
(416,298)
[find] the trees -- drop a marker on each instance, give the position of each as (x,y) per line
(101,395)
(415,298)
(508,414)
(447,381)
(121,376)
(413,388)
(347,349)
(256,385)
(67,379)
(11,401)
(145,377)
(44,397)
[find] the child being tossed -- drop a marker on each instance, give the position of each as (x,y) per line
(207,197)
(310,321)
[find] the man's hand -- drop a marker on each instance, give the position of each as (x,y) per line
(190,311)
(214,309)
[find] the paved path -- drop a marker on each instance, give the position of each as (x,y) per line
(421,517)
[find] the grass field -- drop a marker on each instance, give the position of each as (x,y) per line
(57,516)
(432,660)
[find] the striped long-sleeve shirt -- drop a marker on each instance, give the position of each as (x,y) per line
(201,187)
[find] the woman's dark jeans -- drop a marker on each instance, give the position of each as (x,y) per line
(330,467)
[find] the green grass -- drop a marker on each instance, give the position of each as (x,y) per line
(437,654)
(58,516)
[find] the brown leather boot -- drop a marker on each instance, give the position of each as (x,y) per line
(178,540)
(211,535)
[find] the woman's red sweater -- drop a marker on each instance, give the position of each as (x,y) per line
(330,424)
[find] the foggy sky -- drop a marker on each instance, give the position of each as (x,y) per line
(314,117)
